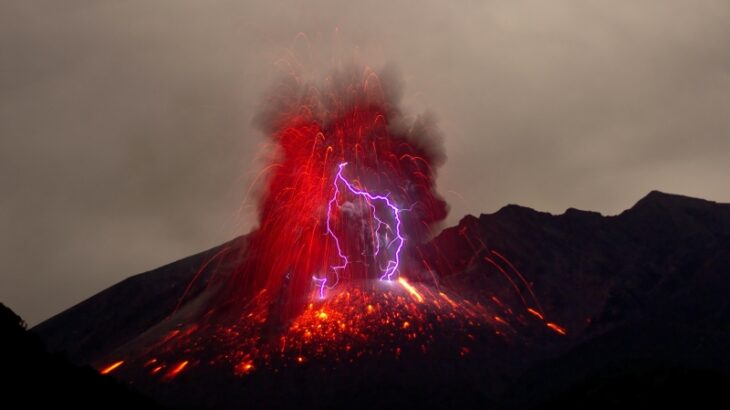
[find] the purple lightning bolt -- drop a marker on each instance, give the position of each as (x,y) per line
(391,267)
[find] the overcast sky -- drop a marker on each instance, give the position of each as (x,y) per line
(126,137)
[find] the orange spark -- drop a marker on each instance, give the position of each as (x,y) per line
(535,313)
(176,370)
(244,367)
(111,367)
(557,328)
(410,289)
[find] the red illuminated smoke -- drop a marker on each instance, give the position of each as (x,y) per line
(351,116)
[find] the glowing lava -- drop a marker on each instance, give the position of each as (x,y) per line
(366,320)
(410,289)
(111,367)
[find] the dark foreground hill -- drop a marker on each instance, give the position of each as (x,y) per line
(34,378)
(644,298)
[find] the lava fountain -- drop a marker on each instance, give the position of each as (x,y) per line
(350,191)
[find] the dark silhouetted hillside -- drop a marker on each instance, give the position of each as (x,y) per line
(34,378)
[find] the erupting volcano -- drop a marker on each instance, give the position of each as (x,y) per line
(343,270)
(338,270)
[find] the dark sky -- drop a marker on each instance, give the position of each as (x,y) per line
(126,137)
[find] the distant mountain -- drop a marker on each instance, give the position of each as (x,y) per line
(644,297)
(651,262)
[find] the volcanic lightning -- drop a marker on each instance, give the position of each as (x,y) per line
(391,267)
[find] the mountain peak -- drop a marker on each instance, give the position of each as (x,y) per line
(519,210)
(662,199)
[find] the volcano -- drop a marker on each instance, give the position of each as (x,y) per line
(515,309)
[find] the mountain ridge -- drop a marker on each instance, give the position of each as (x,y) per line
(659,268)
(171,271)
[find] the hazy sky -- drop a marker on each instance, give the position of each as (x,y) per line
(126,139)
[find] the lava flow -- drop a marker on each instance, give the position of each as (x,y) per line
(336,270)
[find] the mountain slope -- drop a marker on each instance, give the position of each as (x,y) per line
(648,286)
(120,313)
(35,377)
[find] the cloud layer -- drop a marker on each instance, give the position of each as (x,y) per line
(126,137)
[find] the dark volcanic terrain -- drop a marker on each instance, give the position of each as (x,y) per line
(643,298)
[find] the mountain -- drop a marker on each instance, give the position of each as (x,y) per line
(34,377)
(576,310)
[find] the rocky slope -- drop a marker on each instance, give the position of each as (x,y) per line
(645,293)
